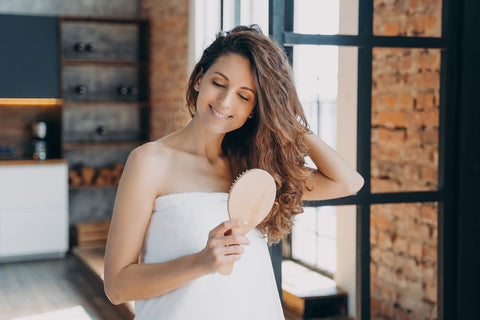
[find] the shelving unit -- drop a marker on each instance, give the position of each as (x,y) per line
(106,109)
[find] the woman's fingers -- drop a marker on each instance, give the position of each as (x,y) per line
(223,227)
(223,247)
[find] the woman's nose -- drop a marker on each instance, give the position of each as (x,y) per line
(227,99)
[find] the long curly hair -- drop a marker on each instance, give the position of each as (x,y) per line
(273,138)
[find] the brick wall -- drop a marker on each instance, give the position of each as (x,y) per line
(407,18)
(168,64)
(403,266)
(405,117)
(405,97)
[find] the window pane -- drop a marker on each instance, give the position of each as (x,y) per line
(326,17)
(314,237)
(407,18)
(405,117)
(304,246)
(326,254)
(316,78)
(326,81)
(403,268)
(245,12)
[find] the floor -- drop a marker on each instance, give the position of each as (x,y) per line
(54,289)
(58,289)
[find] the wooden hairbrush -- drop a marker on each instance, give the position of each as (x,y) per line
(250,198)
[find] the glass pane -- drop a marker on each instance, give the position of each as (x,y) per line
(326,82)
(244,12)
(407,18)
(405,117)
(314,237)
(326,254)
(403,267)
(304,246)
(326,17)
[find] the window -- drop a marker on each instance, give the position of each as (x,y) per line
(401,36)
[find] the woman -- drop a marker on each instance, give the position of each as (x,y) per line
(170,229)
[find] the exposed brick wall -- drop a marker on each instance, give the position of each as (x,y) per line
(168,64)
(405,117)
(403,265)
(407,18)
(405,98)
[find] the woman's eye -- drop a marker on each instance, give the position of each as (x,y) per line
(246,99)
(218,84)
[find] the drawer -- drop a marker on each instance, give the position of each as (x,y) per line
(102,83)
(35,186)
(103,123)
(100,41)
(33,232)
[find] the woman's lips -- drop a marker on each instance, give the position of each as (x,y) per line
(218,115)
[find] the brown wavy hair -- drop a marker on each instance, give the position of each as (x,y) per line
(273,138)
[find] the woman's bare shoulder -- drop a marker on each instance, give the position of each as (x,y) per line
(151,156)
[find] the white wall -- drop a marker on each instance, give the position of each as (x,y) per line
(346,133)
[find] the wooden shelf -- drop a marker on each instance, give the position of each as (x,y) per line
(94,186)
(102,144)
(101,19)
(75,62)
(133,104)
(28,162)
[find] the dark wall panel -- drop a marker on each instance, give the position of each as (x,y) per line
(29,57)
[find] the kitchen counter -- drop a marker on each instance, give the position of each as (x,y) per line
(33,209)
(29,162)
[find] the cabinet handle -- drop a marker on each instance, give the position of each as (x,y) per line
(80,47)
(90,47)
(102,130)
(81,89)
(133,91)
(122,90)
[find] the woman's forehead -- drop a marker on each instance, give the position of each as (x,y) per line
(235,69)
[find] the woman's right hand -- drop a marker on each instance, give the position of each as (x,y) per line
(223,247)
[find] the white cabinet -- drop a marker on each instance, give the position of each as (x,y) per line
(33,210)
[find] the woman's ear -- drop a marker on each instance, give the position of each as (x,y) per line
(251,114)
(196,86)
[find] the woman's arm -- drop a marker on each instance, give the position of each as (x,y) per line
(334,178)
(125,278)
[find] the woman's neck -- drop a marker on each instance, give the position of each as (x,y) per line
(200,141)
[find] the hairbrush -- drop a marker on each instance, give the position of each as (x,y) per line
(250,198)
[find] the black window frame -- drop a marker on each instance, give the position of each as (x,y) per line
(447,196)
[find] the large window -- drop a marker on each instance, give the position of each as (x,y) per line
(405,56)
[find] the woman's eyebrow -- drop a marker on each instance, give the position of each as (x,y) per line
(226,78)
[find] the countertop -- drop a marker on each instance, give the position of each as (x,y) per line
(29,162)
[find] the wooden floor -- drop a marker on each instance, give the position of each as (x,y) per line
(57,290)
(54,289)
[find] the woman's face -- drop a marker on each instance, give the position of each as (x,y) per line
(226,94)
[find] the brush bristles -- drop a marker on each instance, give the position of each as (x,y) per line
(236,179)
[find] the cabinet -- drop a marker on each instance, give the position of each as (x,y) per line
(104,77)
(29,84)
(33,209)
(29,57)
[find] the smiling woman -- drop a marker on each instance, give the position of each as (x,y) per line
(170,233)
(227,92)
